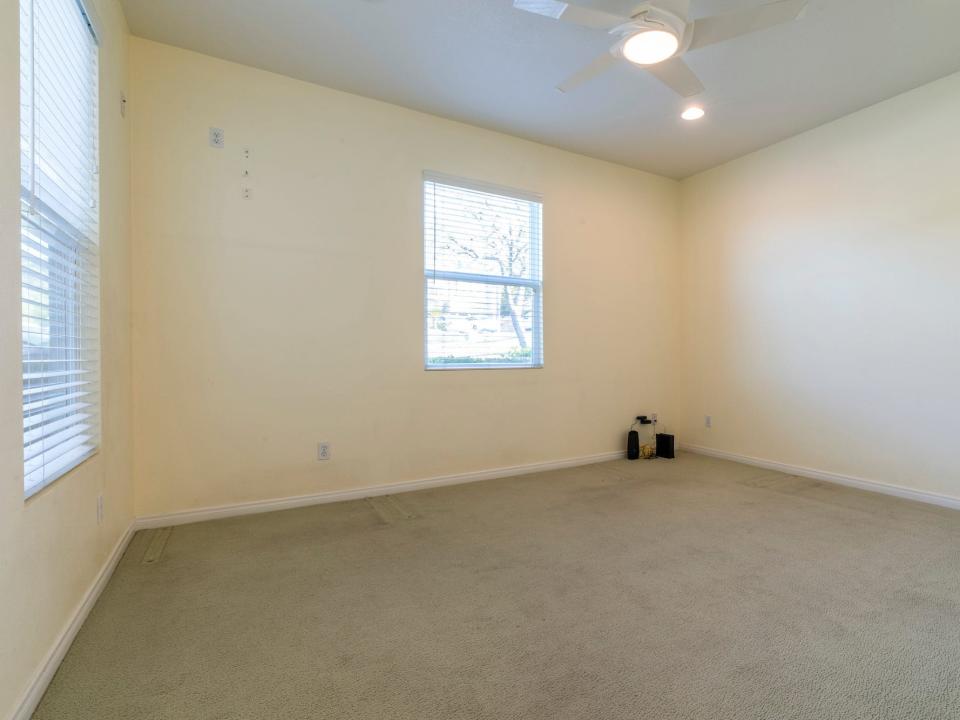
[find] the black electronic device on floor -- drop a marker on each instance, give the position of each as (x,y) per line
(665,445)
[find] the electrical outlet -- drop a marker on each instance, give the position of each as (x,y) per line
(708,421)
(99,509)
(245,193)
(654,417)
(323,451)
(216,137)
(246,153)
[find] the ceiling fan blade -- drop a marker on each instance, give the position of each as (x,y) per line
(568,13)
(620,8)
(711,30)
(588,73)
(676,75)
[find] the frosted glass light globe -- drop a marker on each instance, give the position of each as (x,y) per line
(650,47)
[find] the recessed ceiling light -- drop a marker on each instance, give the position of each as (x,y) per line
(693,113)
(650,47)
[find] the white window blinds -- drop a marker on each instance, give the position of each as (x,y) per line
(58,240)
(483,282)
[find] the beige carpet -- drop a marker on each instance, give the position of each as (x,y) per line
(694,589)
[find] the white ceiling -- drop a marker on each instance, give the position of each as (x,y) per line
(484,63)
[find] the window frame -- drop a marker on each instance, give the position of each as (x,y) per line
(536,285)
(91,21)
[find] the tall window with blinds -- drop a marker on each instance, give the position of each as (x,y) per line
(483,281)
(59,239)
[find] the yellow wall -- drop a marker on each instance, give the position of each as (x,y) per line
(52,547)
(821,288)
(263,326)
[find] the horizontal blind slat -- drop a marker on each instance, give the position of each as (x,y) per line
(55,452)
(45,436)
(31,391)
(39,405)
(46,416)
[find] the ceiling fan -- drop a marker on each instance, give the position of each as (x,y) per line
(656,35)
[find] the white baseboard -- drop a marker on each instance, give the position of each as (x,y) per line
(831,477)
(36,689)
(48,668)
(260,506)
(50,664)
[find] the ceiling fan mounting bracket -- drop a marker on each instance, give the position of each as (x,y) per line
(652,18)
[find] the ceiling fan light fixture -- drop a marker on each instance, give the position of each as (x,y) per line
(650,47)
(694,112)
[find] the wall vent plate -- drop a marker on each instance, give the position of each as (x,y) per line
(216,137)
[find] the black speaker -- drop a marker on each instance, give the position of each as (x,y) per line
(633,445)
(665,445)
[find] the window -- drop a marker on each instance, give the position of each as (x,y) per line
(58,239)
(483,283)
